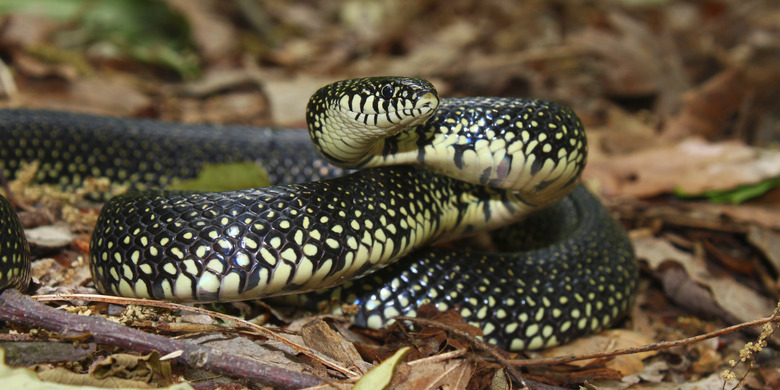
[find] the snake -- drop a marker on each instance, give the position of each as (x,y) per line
(358,220)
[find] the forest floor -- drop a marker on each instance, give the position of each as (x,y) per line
(679,100)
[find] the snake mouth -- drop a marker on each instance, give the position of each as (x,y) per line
(394,118)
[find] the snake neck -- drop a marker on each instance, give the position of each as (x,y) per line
(534,149)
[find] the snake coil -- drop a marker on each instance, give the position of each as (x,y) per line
(468,164)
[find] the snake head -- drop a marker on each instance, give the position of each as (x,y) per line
(348,117)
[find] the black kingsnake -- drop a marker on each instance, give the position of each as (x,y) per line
(575,274)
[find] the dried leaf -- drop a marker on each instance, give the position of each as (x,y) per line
(126,366)
(320,337)
(707,108)
(50,236)
(62,379)
(636,61)
(97,95)
(380,376)
(767,216)
(448,374)
(606,341)
(742,302)
(500,381)
(768,242)
(692,166)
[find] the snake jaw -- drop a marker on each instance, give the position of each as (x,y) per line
(420,113)
(349,119)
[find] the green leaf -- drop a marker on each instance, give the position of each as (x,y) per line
(379,377)
(737,195)
(225,177)
(145,30)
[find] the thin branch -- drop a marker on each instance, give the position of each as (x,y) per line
(567,359)
(644,348)
(20,309)
(262,331)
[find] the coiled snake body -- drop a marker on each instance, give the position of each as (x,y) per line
(470,164)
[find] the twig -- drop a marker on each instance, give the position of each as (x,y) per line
(315,355)
(440,357)
(644,348)
(511,363)
(748,353)
(20,309)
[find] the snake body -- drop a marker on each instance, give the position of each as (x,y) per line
(576,275)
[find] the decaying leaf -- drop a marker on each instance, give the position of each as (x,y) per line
(225,177)
(692,166)
(743,303)
(320,337)
(380,376)
(767,242)
(449,374)
(606,341)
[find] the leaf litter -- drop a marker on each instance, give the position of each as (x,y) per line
(679,99)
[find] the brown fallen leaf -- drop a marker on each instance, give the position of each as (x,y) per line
(622,133)
(692,166)
(98,95)
(767,215)
(19,354)
(606,341)
(738,300)
(450,374)
(440,54)
(707,108)
(635,61)
(235,108)
(768,242)
(319,336)
(33,67)
(62,375)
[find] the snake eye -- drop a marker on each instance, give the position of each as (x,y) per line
(387,91)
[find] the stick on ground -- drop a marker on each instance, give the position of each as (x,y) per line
(20,309)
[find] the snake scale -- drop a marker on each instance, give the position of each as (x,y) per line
(430,170)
